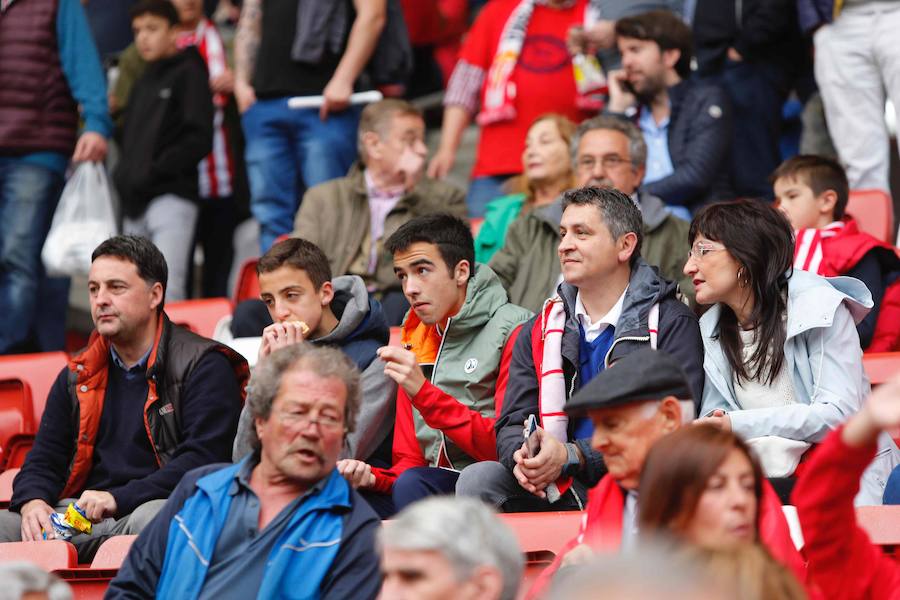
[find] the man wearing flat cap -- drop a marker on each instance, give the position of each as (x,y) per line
(610,305)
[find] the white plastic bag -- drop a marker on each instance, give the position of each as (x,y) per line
(84,218)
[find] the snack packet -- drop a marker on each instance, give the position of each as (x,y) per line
(68,524)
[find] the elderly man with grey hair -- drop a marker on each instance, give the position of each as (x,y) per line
(282,522)
(606,152)
(26,581)
(445,548)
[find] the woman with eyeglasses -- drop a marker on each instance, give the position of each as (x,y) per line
(782,359)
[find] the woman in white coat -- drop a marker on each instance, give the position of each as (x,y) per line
(782,359)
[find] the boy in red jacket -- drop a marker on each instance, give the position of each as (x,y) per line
(812,192)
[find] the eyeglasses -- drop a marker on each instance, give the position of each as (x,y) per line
(301,419)
(608,161)
(700,249)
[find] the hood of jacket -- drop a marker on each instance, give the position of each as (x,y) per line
(484,296)
(359,317)
(812,302)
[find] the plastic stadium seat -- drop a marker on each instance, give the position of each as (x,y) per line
(874,213)
(50,555)
(247,287)
(113,551)
(38,370)
(475,225)
(544,532)
(880,366)
(200,316)
(882,523)
(396,332)
(16,413)
(6,486)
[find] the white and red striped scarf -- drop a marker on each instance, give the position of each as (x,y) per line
(808,246)
(498,103)
(216,171)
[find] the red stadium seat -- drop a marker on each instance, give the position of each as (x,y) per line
(113,551)
(544,532)
(874,213)
(247,286)
(200,316)
(475,225)
(50,555)
(16,414)
(882,523)
(38,370)
(6,486)
(395,336)
(880,366)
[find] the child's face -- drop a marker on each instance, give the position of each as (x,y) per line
(154,37)
(801,206)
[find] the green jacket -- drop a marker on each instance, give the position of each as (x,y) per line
(467,365)
(500,213)
(528,263)
(335,216)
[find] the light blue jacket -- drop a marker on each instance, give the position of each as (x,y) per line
(823,356)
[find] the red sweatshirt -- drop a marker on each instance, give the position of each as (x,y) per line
(468,429)
(842,561)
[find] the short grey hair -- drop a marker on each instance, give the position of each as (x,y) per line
(637,147)
(687,409)
(20,578)
(324,361)
(463,530)
(617,211)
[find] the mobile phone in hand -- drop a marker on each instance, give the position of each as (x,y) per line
(532,443)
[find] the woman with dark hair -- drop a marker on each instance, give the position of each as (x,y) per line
(703,486)
(782,359)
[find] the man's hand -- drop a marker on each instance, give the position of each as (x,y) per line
(97,505)
(401,366)
(357,473)
(587,41)
(536,473)
(337,97)
(620,98)
(441,164)
(222,84)
(280,335)
(734,55)
(244,95)
(410,167)
(35,518)
(718,418)
(90,147)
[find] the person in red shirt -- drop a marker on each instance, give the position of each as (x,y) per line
(842,560)
(452,369)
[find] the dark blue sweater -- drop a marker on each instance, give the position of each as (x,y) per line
(122,464)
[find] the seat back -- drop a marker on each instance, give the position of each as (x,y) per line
(39,371)
(882,523)
(112,552)
(200,316)
(6,486)
(880,366)
(544,532)
(50,555)
(874,213)
(247,286)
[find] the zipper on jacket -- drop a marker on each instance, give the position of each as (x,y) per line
(437,358)
(630,338)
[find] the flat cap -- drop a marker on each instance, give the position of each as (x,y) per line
(643,375)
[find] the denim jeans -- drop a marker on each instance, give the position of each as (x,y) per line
(481,191)
(892,489)
(28,196)
(289,150)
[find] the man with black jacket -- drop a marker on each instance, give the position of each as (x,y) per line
(755,57)
(611,304)
(167,131)
(686,123)
(144,403)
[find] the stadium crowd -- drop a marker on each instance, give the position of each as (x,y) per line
(645,305)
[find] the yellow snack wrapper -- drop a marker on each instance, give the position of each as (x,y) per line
(77,520)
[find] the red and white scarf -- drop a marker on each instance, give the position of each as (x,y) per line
(808,246)
(216,171)
(498,103)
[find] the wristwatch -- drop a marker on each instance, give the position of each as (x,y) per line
(573,464)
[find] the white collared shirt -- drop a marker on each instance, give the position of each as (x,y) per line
(629,520)
(593,330)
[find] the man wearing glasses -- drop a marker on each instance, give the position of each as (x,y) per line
(282,522)
(606,152)
(611,304)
